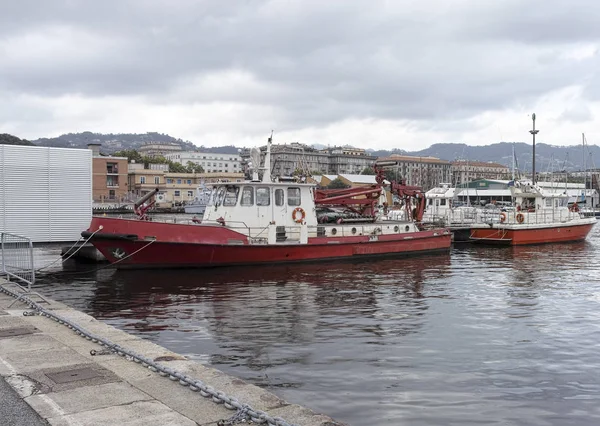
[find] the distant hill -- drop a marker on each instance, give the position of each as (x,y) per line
(6,139)
(568,158)
(122,141)
(111,142)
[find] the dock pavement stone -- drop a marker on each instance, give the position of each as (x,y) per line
(29,343)
(142,413)
(39,360)
(45,384)
(258,398)
(86,398)
(304,416)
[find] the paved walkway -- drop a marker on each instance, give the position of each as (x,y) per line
(52,370)
(14,411)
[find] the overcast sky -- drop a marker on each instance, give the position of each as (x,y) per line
(375,74)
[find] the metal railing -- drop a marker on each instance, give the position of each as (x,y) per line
(17,262)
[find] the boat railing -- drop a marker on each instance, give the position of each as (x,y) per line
(18,263)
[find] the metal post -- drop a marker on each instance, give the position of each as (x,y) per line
(533,132)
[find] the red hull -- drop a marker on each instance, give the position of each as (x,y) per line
(527,236)
(185,246)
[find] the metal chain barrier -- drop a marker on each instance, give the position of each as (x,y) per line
(244,411)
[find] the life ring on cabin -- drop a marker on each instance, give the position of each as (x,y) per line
(295,215)
(520,218)
(502,217)
(574,208)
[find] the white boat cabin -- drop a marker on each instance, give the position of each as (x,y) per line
(256,204)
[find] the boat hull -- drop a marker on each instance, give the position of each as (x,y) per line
(126,244)
(526,235)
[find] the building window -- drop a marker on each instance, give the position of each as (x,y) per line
(189,181)
(156,180)
(190,194)
(143,179)
(294,196)
(178,181)
(112,181)
(112,168)
(111,194)
(279,197)
(177,193)
(247,196)
(169,180)
(263,197)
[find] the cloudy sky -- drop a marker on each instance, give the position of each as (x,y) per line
(377,73)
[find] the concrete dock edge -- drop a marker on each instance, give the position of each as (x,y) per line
(53,371)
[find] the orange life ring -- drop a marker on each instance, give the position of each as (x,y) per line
(520,218)
(502,217)
(574,208)
(295,215)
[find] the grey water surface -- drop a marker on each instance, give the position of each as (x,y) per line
(484,335)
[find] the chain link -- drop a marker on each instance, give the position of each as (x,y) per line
(241,416)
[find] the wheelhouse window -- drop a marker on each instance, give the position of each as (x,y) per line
(263,197)
(231,195)
(279,197)
(442,202)
(219,195)
(293,196)
(247,196)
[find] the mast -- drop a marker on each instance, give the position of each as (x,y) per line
(513,162)
(267,166)
(583,162)
(533,133)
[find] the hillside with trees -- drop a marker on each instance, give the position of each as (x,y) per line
(6,139)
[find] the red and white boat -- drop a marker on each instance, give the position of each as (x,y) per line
(264,222)
(540,216)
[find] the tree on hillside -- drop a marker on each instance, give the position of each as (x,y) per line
(337,183)
(6,139)
(131,154)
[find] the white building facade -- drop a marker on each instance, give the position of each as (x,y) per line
(211,162)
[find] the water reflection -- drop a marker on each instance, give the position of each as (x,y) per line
(485,335)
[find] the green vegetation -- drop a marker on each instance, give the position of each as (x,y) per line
(6,139)
(337,183)
(133,155)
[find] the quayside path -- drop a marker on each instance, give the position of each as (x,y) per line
(53,359)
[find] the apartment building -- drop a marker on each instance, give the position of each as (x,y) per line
(154,149)
(211,162)
(465,171)
(286,159)
(109,177)
(426,172)
(173,188)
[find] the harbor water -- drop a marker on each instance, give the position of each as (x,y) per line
(484,335)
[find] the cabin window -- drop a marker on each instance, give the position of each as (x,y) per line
(231,195)
(293,196)
(279,197)
(263,197)
(219,195)
(443,202)
(548,202)
(247,196)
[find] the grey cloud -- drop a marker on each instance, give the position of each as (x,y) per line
(318,61)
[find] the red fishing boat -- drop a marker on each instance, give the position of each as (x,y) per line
(264,222)
(539,217)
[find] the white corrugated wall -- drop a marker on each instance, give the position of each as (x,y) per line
(45,193)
